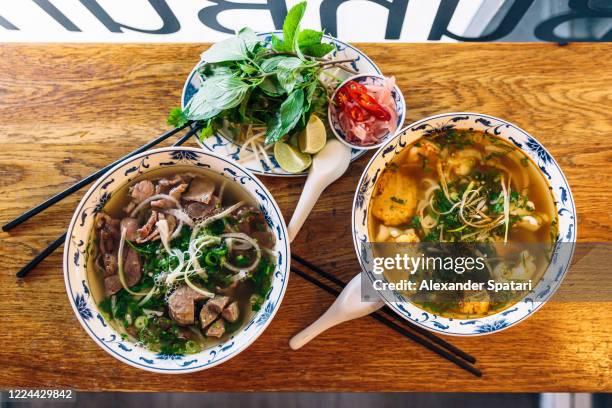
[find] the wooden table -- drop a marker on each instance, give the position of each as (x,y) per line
(67,110)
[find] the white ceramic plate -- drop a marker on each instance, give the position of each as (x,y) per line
(76,253)
(224,147)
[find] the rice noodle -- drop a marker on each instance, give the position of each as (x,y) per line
(197,288)
(177,230)
(148,296)
(164,233)
(154,197)
(506,207)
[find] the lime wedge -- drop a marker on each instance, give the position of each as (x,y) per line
(290,158)
(312,139)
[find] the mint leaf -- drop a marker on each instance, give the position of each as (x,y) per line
(309,37)
(176,117)
(287,117)
(278,45)
(317,50)
(292,24)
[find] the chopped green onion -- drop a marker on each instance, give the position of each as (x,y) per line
(141,322)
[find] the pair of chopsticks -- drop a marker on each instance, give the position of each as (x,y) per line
(387,317)
(77,186)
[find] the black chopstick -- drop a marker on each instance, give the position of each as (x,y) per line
(94,176)
(424,332)
(400,329)
(62,238)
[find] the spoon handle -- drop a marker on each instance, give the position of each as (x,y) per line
(311,193)
(347,306)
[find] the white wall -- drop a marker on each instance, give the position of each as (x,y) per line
(358,20)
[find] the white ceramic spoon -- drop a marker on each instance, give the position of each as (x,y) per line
(347,306)
(327,166)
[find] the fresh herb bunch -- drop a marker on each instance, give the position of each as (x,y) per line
(244,82)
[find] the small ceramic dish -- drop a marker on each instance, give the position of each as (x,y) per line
(557,184)
(77,250)
(225,147)
(400,110)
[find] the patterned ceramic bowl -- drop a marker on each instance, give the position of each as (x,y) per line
(400,111)
(224,147)
(76,253)
(558,186)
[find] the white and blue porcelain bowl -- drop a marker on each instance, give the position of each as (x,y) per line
(559,189)
(76,253)
(400,111)
(224,147)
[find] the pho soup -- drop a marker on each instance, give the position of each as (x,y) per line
(462,188)
(181,259)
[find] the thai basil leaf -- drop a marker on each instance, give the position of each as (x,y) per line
(247,69)
(287,72)
(287,116)
(216,94)
(270,64)
(310,90)
(232,49)
(271,87)
(250,38)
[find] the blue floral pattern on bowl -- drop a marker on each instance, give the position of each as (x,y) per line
(76,253)
(224,147)
(400,110)
(560,190)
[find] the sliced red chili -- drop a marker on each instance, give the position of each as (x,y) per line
(359,94)
(357,113)
(342,97)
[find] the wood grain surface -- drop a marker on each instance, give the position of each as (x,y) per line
(67,110)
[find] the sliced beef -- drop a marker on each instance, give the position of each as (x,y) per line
(198,210)
(218,303)
(110,264)
(142,190)
(175,193)
(200,190)
(108,233)
(181,304)
(252,222)
(112,285)
(164,185)
(208,315)
(132,267)
(131,227)
(145,232)
(231,313)
(217,329)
